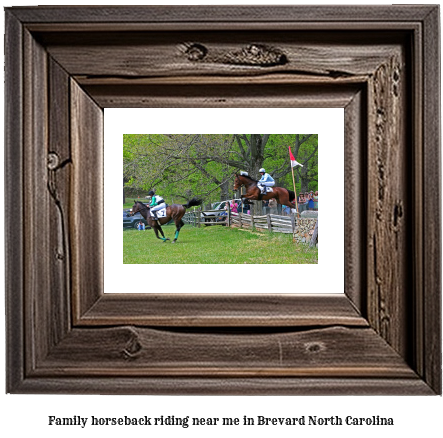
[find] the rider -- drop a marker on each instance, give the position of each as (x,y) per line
(157,203)
(266,180)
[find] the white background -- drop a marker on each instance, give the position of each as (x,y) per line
(26,415)
(328,123)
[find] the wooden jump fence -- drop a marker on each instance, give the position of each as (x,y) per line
(270,222)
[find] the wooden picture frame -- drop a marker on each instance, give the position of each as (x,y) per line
(65,64)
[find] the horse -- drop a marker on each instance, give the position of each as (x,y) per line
(174,211)
(282,195)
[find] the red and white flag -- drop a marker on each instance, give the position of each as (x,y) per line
(293,162)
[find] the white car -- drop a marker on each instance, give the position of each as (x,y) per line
(219,208)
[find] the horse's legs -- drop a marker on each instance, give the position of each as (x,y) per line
(161,231)
(178,226)
(156,230)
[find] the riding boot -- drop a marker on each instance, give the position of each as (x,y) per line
(154,213)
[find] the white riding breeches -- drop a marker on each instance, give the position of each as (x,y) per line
(158,207)
(262,185)
(267,183)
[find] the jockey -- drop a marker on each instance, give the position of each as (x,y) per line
(157,203)
(266,180)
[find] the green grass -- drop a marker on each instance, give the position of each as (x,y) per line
(214,245)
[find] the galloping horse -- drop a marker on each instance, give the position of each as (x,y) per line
(283,196)
(174,211)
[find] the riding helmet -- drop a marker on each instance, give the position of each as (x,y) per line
(262,170)
(151,193)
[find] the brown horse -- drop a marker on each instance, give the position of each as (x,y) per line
(174,212)
(283,196)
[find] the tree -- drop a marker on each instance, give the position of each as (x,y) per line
(203,164)
(177,164)
(306,153)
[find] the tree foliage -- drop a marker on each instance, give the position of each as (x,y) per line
(184,165)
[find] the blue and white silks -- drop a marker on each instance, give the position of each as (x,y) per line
(266,180)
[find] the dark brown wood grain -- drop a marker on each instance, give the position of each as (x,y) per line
(14,152)
(59,172)
(354,208)
(167,55)
(86,231)
(36,205)
(64,65)
(431,243)
(232,94)
(387,233)
(173,385)
(353,16)
(130,351)
(247,310)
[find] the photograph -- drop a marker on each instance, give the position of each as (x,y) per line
(226,198)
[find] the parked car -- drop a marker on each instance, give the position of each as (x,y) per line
(219,208)
(132,221)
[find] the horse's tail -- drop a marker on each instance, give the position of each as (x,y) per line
(291,195)
(192,203)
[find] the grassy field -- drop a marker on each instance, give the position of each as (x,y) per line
(214,245)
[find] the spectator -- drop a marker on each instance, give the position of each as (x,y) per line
(246,207)
(222,216)
(140,226)
(273,206)
(310,201)
(234,206)
(315,199)
(302,203)
(286,210)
